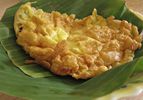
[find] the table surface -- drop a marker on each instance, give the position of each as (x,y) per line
(136,5)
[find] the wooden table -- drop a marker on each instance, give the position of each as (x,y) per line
(136,5)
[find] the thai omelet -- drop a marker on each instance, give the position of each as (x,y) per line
(82,48)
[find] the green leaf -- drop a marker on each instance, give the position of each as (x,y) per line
(14,82)
(18,57)
(108,81)
(136,78)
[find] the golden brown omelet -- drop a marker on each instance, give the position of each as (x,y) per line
(82,48)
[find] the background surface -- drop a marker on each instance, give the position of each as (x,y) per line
(136,5)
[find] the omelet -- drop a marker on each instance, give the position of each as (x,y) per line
(81,48)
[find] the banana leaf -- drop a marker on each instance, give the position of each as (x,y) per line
(42,85)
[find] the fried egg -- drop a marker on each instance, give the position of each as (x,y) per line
(81,48)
